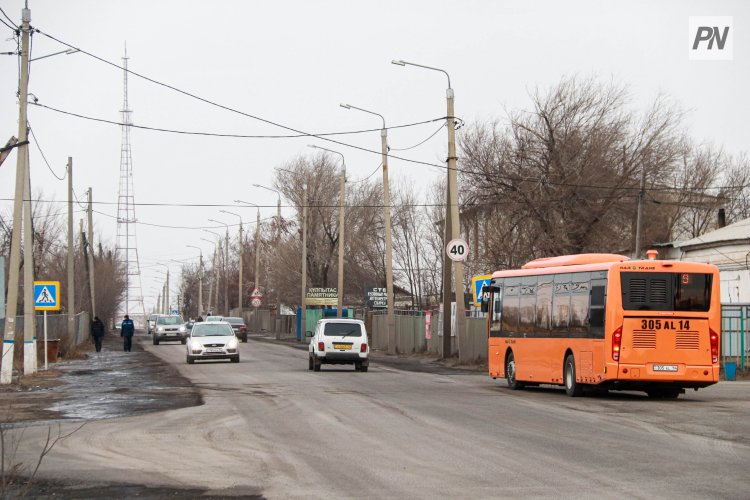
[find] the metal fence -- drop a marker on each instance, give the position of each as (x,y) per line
(735,341)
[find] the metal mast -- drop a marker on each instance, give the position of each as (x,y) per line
(127,246)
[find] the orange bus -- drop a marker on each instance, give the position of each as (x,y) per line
(604,321)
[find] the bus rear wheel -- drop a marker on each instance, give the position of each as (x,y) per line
(572,388)
(510,373)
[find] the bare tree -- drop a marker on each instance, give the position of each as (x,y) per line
(563,178)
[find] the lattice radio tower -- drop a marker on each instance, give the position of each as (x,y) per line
(127,246)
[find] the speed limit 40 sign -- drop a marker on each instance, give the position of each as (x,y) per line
(457,249)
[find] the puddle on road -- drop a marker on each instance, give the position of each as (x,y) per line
(117,384)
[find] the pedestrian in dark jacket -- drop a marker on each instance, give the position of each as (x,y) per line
(127,329)
(97,332)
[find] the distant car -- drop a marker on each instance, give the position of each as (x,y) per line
(239,327)
(214,318)
(339,341)
(212,340)
(151,323)
(169,328)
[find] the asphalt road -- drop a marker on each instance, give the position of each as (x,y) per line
(270,427)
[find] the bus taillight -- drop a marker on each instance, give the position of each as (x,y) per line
(714,346)
(616,341)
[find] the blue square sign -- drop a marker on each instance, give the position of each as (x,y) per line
(47,295)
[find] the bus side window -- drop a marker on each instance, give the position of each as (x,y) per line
(597,306)
(544,306)
(527,306)
(511,295)
(580,284)
(561,305)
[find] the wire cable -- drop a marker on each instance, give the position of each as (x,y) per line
(6,16)
(365,178)
(233,110)
(164,226)
(420,143)
(31,130)
(216,134)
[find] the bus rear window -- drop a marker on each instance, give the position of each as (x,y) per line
(666,291)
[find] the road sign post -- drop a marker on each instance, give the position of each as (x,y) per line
(46,298)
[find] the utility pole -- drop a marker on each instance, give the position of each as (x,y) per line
(342,202)
(639,216)
(6,369)
(29,319)
(92,280)
(390,316)
(71,257)
(453,226)
(242,257)
(447,281)
(226,275)
(257,249)
(166,294)
(200,283)
(303,307)
(158,304)
(458,266)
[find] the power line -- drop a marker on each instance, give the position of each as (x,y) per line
(235,136)
(6,16)
(233,110)
(44,157)
(419,143)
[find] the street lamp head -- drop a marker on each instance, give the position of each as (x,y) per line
(345,106)
(398,62)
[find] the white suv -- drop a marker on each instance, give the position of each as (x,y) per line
(339,341)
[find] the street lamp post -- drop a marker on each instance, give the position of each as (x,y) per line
(213,289)
(242,245)
(342,202)
(226,263)
(166,307)
(278,209)
(223,270)
(257,240)
(390,316)
(200,280)
(452,228)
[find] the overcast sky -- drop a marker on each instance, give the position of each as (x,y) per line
(293,62)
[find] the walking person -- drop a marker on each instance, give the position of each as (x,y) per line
(127,329)
(97,332)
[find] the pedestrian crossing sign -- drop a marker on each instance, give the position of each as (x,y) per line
(47,295)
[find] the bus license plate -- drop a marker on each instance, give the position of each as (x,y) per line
(665,368)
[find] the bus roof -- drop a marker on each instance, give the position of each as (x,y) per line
(574,260)
(597,262)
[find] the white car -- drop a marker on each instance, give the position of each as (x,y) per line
(339,341)
(212,340)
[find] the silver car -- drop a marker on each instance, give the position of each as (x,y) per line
(169,328)
(212,340)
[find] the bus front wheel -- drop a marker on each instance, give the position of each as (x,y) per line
(572,388)
(510,372)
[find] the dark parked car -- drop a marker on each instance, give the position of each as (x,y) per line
(239,327)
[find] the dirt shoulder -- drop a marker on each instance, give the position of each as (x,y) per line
(111,383)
